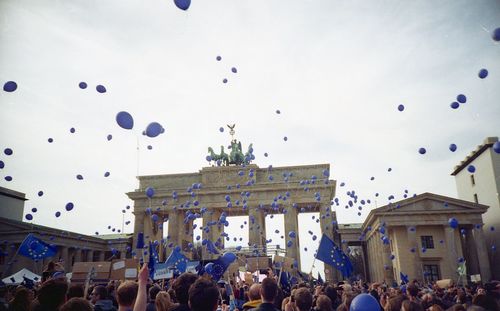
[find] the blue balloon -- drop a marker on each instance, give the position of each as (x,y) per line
(496,34)
(106,174)
(209,267)
(454,105)
(483,73)
(224,80)
(229,257)
(234,70)
(364,302)
(292,234)
(453,147)
(79,177)
(58,214)
(154,129)
(34,209)
(285,138)
(382,230)
(10,86)
(401,107)
(496,147)
(50,140)
(8,151)
(453,223)
(184,5)
(82,85)
(2,164)
(461,98)
(100,88)
(29,217)
(218,58)
(109,137)
(422,150)
(69,206)
(150,192)
(221,129)
(471,168)
(124,120)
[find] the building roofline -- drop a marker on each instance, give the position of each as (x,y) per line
(423,196)
(13,194)
(488,142)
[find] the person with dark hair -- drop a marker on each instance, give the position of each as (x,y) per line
(181,288)
(99,298)
(486,301)
(412,291)
(409,305)
(3,294)
(51,295)
(75,290)
(152,292)
(323,303)
(76,304)
(268,292)
(22,300)
(331,292)
(203,295)
(394,303)
(126,294)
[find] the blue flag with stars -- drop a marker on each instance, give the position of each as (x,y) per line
(177,260)
(153,259)
(36,249)
(332,255)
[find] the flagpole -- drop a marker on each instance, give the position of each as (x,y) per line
(312,266)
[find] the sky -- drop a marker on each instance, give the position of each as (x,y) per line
(336,70)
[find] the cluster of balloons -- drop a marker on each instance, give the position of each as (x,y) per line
(99,88)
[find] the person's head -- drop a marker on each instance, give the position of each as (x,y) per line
(254,292)
(486,301)
(181,287)
(394,303)
(153,291)
(203,295)
(284,303)
(162,301)
(411,306)
(98,293)
(412,290)
(75,290)
(268,290)
(436,307)
(126,294)
(22,299)
(323,303)
(303,299)
(76,304)
(331,292)
(52,294)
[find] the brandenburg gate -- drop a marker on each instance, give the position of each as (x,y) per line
(228,189)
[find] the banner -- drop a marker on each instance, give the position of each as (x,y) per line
(162,272)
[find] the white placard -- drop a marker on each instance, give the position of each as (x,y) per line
(475,278)
(131,273)
(119,265)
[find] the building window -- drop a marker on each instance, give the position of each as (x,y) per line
(475,198)
(472,181)
(431,272)
(427,241)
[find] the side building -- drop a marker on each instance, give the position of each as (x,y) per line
(477,179)
(72,247)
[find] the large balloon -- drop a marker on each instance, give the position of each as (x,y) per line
(183,4)
(229,257)
(154,129)
(461,98)
(453,147)
(364,302)
(453,223)
(150,192)
(124,120)
(496,34)
(422,151)
(483,73)
(100,89)
(496,147)
(209,267)
(10,86)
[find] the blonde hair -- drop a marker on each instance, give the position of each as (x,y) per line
(162,301)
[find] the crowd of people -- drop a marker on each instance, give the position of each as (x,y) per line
(190,292)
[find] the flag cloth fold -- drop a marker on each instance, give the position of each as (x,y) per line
(177,260)
(153,259)
(331,254)
(35,248)
(211,248)
(404,278)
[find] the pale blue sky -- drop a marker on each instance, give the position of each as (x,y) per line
(337,70)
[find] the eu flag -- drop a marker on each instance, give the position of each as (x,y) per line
(332,255)
(153,259)
(35,248)
(177,260)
